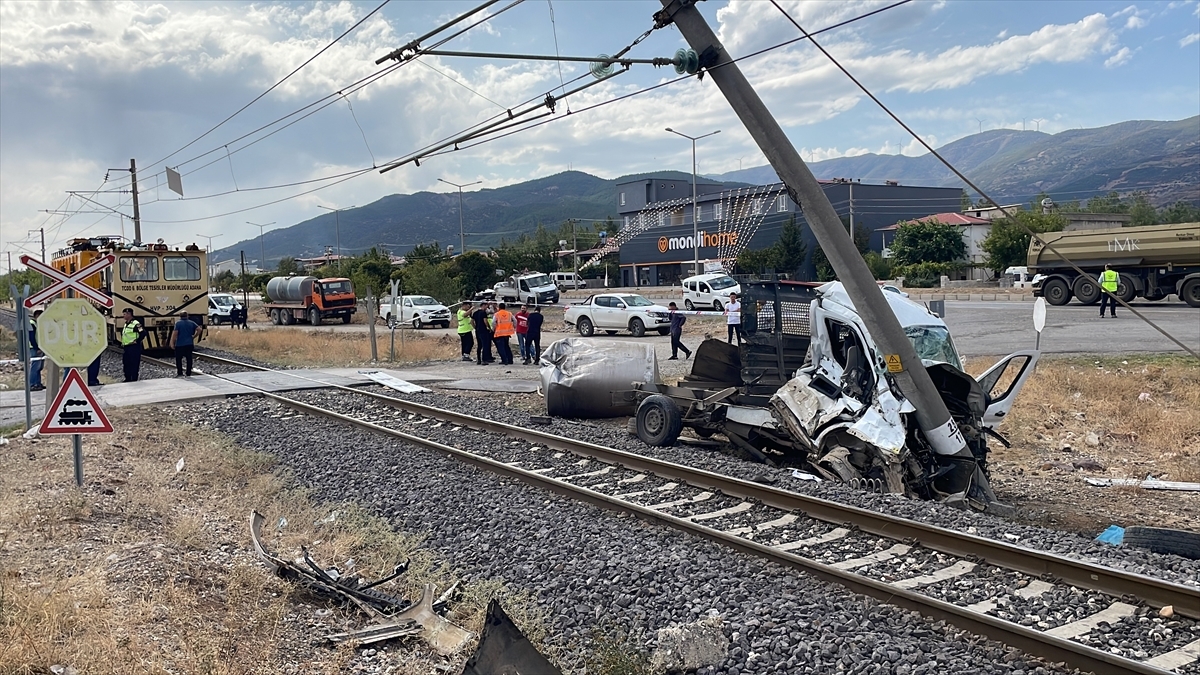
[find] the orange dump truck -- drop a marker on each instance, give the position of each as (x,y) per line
(310,299)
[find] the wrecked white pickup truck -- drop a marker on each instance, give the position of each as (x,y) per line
(809,387)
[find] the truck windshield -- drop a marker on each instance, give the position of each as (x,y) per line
(636,301)
(721,283)
(223,300)
(423,300)
(538,281)
(933,343)
(330,287)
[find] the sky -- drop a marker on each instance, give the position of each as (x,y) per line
(85,87)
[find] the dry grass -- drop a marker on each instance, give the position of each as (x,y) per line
(1142,410)
(327,348)
(146,570)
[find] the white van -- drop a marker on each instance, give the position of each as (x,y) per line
(220,308)
(565,280)
(709,291)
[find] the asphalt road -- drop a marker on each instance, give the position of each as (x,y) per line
(978,328)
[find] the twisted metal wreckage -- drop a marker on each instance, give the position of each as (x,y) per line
(807,387)
(502,647)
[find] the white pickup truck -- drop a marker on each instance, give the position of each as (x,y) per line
(612,312)
(531,288)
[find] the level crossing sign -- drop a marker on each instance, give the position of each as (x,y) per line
(75,410)
(63,281)
(72,332)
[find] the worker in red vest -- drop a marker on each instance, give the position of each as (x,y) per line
(504,326)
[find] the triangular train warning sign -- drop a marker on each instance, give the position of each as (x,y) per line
(75,410)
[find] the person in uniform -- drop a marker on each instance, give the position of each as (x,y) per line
(1109,281)
(483,335)
(131,342)
(504,326)
(35,367)
(533,334)
(465,328)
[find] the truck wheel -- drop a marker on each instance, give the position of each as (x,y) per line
(717,306)
(586,329)
(637,327)
(275,317)
(286,317)
(1056,291)
(1162,540)
(416,323)
(314,316)
(1126,289)
(346,318)
(1087,291)
(687,304)
(1190,292)
(659,421)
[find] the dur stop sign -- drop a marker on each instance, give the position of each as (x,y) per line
(72,332)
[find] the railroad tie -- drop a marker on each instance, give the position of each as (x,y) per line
(1114,612)
(744,506)
(679,502)
(597,472)
(832,535)
(636,479)
(878,556)
(956,570)
(1033,590)
(786,519)
(1177,658)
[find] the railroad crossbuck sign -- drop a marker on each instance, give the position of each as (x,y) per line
(64,281)
(75,410)
(72,332)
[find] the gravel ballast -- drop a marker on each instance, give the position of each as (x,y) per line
(591,568)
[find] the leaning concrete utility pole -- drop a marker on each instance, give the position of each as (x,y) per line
(914,382)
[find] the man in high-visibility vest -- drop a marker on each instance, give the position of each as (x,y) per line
(1109,280)
(504,326)
(131,342)
(465,328)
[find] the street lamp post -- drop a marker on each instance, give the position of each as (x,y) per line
(337,232)
(462,237)
(695,208)
(262,248)
(208,250)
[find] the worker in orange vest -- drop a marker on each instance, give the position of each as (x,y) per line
(504,326)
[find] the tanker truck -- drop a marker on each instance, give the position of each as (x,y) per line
(1153,262)
(309,299)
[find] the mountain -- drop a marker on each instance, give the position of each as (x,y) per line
(1159,158)
(399,222)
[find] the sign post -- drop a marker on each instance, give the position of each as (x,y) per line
(72,333)
(395,314)
(23,351)
(1039,320)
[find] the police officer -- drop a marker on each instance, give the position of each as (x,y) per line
(1109,280)
(131,341)
(36,358)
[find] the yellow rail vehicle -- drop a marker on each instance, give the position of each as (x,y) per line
(154,281)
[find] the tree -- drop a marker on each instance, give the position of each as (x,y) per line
(919,241)
(424,278)
(288,265)
(1007,244)
(824,268)
(1179,212)
(431,253)
(1109,203)
(789,252)
(1141,211)
(224,281)
(474,272)
(964,202)
(755,261)
(372,272)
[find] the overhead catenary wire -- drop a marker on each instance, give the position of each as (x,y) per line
(810,37)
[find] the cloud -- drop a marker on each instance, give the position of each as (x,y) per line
(1120,58)
(1190,39)
(1134,22)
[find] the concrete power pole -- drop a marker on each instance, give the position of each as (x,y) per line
(137,212)
(913,380)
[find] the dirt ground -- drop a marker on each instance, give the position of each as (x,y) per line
(149,569)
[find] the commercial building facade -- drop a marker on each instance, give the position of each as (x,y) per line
(656,217)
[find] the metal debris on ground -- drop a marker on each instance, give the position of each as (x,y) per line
(1148,484)
(503,649)
(403,617)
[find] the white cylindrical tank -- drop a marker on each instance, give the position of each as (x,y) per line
(289,289)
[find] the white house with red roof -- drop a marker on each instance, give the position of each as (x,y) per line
(974,231)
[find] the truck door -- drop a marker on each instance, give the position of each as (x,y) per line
(1003,381)
(406,311)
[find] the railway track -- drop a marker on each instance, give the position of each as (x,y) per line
(864,551)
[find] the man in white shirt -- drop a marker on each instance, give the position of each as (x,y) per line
(733,318)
